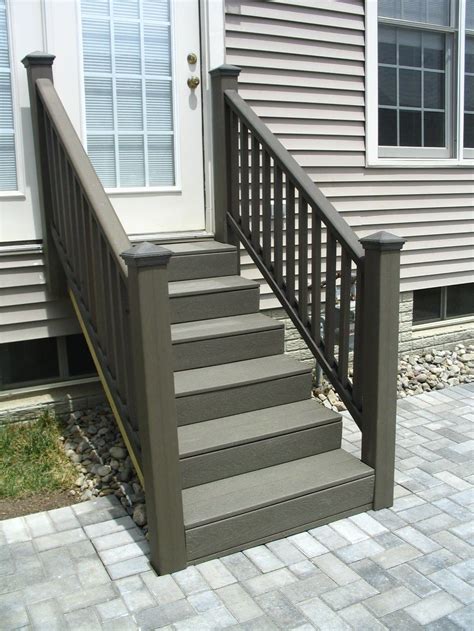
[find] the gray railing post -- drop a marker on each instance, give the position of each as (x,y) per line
(222,78)
(40,66)
(380,360)
(155,403)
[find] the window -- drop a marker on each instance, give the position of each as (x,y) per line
(425,78)
(44,360)
(8,176)
(443,303)
(129,91)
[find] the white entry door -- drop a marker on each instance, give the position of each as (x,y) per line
(141,120)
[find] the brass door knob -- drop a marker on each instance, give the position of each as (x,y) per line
(193,82)
(192,59)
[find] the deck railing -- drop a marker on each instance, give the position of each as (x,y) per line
(114,286)
(302,245)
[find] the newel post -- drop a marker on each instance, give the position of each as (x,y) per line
(40,66)
(222,78)
(380,360)
(155,403)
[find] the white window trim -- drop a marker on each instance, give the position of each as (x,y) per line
(373,159)
(18,193)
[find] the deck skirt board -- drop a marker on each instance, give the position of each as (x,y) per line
(236,374)
(222,327)
(269,520)
(283,533)
(245,493)
(256,425)
(259,453)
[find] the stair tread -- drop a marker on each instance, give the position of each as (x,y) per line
(225,432)
(247,492)
(212,378)
(209,246)
(209,285)
(222,327)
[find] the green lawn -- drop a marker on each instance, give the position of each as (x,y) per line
(32,459)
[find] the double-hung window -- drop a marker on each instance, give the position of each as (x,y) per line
(128,87)
(8,175)
(425,79)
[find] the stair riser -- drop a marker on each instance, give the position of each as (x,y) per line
(257,455)
(215,305)
(254,396)
(277,520)
(193,266)
(223,350)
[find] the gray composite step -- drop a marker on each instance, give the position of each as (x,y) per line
(215,297)
(225,447)
(237,387)
(222,340)
(201,259)
(239,511)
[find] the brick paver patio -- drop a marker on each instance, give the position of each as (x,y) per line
(86,567)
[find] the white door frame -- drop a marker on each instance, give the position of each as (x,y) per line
(212,14)
(212,40)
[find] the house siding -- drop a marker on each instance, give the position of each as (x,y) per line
(303,72)
(26,310)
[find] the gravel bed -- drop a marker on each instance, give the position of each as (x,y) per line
(94,444)
(431,370)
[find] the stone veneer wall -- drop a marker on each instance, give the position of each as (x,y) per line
(439,335)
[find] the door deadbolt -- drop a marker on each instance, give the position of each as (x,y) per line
(193,82)
(192,59)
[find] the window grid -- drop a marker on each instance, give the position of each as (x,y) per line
(454,18)
(423,69)
(8,167)
(145,134)
(469,76)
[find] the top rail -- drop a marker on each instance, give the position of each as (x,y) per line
(328,214)
(100,204)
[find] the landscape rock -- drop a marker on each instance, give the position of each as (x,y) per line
(139,515)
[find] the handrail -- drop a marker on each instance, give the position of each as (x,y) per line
(100,203)
(265,200)
(262,174)
(114,289)
(286,161)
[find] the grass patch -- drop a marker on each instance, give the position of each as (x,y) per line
(32,459)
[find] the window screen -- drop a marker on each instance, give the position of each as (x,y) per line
(128,91)
(469,92)
(8,176)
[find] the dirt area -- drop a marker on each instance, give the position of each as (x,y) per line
(36,503)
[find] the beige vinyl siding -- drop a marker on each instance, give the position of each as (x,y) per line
(303,72)
(26,310)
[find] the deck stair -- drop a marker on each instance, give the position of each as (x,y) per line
(258,457)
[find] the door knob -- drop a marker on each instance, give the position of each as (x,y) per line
(193,82)
(192,59)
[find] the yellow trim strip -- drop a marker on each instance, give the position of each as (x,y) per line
(108,394)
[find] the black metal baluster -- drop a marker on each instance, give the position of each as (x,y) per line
(303,259)
(330,307)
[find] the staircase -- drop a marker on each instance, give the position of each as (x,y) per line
(259,459)
(219,423)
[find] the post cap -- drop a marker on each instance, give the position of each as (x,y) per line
(225,70)
(382,241)
(38,59)
(146,254)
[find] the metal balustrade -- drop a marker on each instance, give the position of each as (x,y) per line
(113,286)
(301,245)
